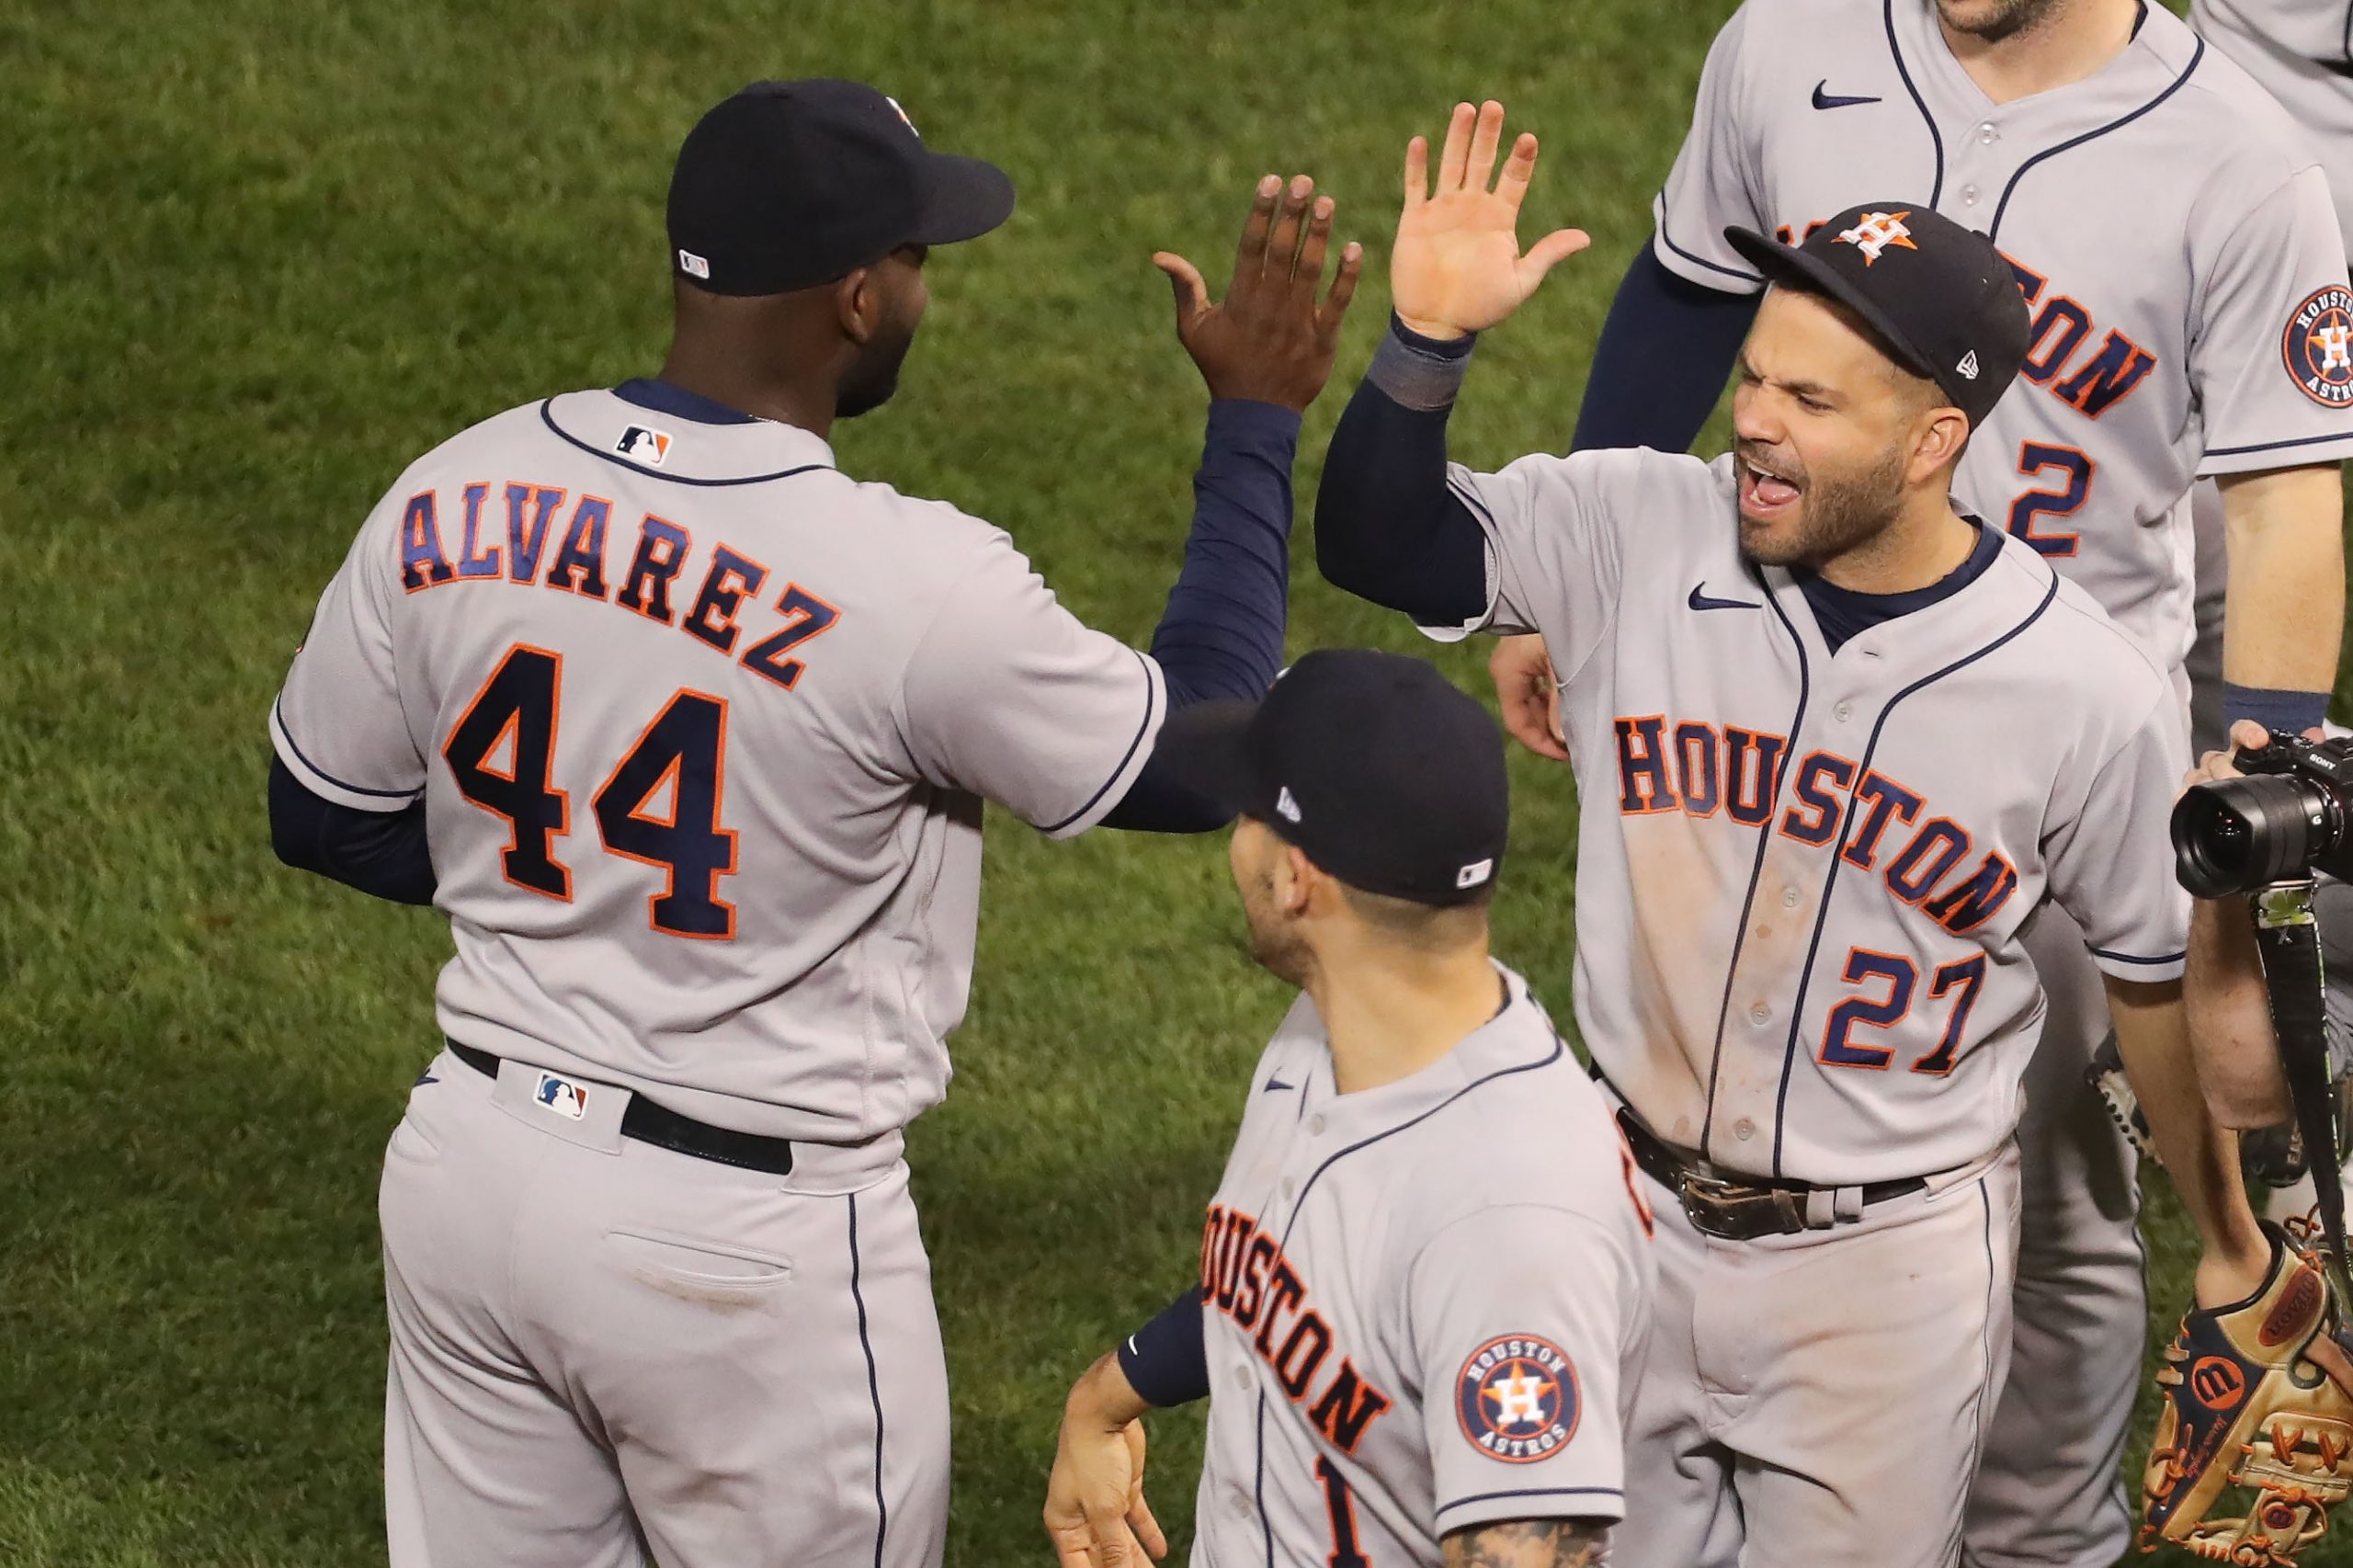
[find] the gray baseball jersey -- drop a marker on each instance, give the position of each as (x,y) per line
(2301,51)
(2171,229)
(1425,1302)
(702,727)
(1798,942)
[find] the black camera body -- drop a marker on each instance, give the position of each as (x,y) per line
(2290,816)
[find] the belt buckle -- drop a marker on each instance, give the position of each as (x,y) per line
(1729,1210)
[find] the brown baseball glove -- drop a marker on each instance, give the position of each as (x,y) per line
(2253,1400)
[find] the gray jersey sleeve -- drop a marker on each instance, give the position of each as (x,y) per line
(1715,181)
(1010,697)
(1553,549)
(338,723)
(2273,357)
(2111,863)
(1517,1315)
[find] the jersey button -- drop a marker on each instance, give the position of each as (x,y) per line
(1843,713)
(1760,1013)
(1743,1130)
(1987,135)
(1290,1186)
(1969,194)
(1789,897)
(1316,1124)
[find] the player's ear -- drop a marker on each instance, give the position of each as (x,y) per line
(1938,435)
(857,301)
(1296,880)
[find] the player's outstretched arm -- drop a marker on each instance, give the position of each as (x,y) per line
(1529,1543)
(1388,529)
(1095,1513)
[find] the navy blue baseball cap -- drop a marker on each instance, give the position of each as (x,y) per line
(789,185)
(1373,764)
(1942,301)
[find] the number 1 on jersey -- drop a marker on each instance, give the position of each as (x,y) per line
(1345,1553)
(682,757)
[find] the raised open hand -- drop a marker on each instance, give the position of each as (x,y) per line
(1269,340)
(1457,267)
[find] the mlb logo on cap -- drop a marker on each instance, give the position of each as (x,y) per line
(693,265)
(562,1095)
(644,444)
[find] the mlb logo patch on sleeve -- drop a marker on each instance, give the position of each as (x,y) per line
(1517,1397)
(644,444)
(561,1096)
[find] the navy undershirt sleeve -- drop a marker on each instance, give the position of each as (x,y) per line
(1221,634)
(1166,1361)
(383,854)
(1388,529)
(1666,350)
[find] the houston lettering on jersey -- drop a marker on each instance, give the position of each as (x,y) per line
(1244,1275)
(1698,769)
(573,550)
(2056,362)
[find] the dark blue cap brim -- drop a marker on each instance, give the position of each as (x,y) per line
(967,197)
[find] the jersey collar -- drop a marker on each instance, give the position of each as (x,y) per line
(659,431)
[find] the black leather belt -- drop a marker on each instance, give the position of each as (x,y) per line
(650,1123)
(1744,1211)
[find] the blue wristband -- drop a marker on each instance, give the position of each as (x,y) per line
(2282,712)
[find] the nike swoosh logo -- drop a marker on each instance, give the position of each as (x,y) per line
(1274,1085)
(423,1079)
(1700,600)
(1835,100)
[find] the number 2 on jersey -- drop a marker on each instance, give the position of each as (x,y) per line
(2075,469)
(683,751)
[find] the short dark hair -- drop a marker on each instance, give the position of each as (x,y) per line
(1427,927)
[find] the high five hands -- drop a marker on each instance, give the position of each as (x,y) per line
(1457,267)
(1269,340)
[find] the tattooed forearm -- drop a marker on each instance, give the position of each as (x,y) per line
(1530,1543)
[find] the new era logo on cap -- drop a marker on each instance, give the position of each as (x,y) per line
(1968,365)
(694,265)
(644,444)
(1876,231)
(1285,806)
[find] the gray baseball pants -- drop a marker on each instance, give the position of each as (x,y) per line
(607,1354)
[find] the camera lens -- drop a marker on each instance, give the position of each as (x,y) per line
(2238,835)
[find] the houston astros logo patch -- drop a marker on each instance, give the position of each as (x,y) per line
(2318,346)
(1517,1397)
(1876,231)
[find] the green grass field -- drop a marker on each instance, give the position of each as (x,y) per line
(259,254)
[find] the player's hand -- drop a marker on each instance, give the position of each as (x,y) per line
(1095,1513)
(1269,340)
(1457,267)
(1530,695)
